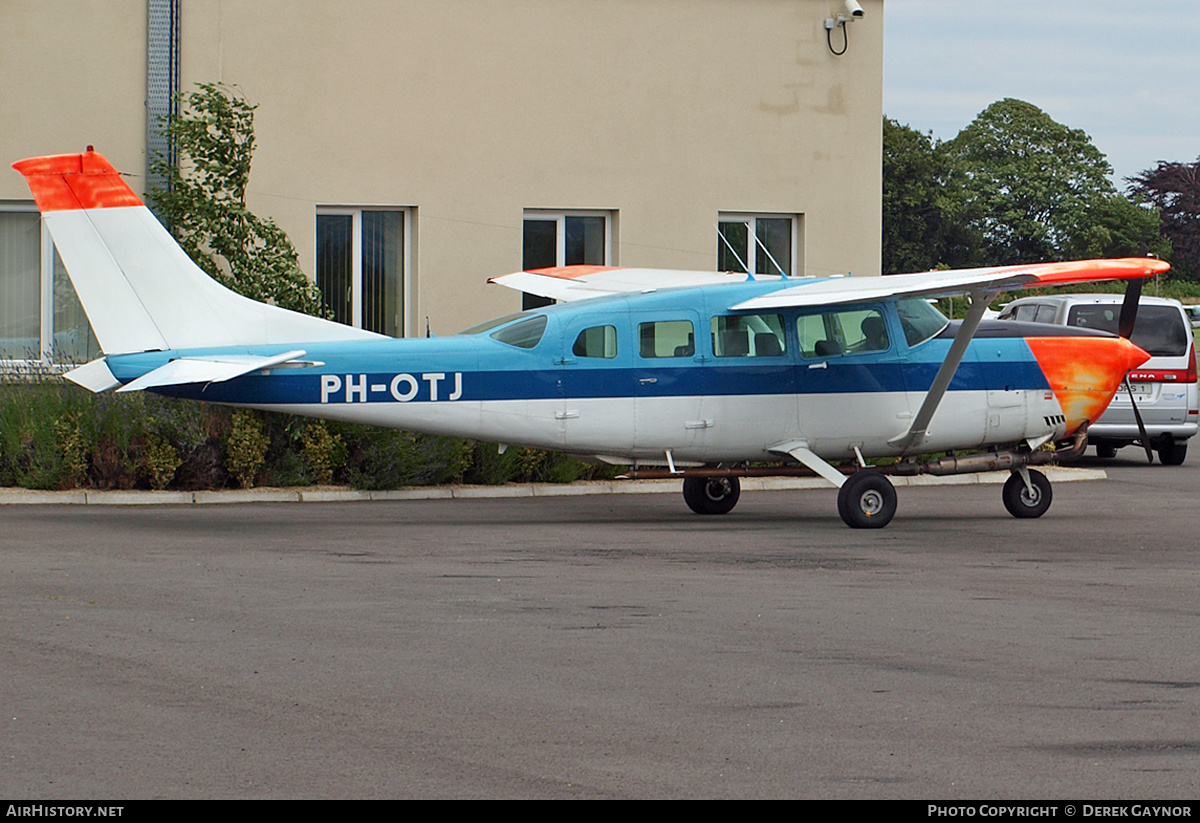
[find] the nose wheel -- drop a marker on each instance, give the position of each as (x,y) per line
(867,500)
(1030,499)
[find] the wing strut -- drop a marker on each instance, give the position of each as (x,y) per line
(799,449)
(915,435)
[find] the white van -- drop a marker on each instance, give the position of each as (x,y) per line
(1164,387)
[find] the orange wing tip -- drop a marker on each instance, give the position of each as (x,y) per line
(571,272)
(1082,271)
(67,182)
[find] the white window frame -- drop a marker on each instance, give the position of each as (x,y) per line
(560,217)
(356,213)
(45,292)
(749,255)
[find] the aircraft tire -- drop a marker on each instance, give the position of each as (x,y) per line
(1020,503)
(867,500)
(1105,451)
(711,495)
(1172,453)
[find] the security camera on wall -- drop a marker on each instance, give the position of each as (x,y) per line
(851,10)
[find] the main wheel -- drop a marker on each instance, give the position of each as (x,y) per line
(1172,452)
(867,500)
(1020,502)
(711,495)
(1106,451)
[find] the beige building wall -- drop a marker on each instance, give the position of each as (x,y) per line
(71,74)
(469,112)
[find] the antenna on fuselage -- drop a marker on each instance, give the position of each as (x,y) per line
(771,257)
(732,250)
(742,262)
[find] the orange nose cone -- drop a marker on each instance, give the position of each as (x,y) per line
(1085,372)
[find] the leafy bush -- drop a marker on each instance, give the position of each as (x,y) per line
(55,435)
(245,446)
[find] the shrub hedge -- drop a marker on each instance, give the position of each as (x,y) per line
(55,435)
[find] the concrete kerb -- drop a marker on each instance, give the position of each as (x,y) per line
(328,494)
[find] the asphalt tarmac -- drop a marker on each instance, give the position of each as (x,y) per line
(610,646)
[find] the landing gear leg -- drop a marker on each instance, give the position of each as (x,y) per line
(711,495)
(867,500)
(1027,493)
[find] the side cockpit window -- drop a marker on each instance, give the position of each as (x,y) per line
(855,331)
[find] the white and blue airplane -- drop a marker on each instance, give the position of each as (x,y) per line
(688,374)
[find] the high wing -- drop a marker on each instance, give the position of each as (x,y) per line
(568,283)
(957,282)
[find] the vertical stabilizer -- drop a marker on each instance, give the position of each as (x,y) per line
(139,289)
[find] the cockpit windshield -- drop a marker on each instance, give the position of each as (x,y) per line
(488,325)
(920,319)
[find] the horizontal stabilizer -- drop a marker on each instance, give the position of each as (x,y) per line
(207,370)
(94,376)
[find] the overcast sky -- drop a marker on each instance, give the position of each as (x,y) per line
(1127,72)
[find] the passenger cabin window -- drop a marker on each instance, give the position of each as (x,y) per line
(667,338)
(523,335)
(839,333)
(748,335)
(598,341)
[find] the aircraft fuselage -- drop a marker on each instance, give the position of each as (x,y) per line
(633,376)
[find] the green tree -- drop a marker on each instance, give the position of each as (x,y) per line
(1035,189)
(204,202)
(1174,189)
(1118,227)
(915,205)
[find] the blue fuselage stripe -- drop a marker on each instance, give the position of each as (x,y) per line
(296,387)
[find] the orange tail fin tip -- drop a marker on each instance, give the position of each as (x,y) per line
(69,182)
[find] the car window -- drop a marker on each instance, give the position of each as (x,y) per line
(1045,314)
(1025,313)
(1159,329)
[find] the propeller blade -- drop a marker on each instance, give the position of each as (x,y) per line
(1129,308)
(1137,415)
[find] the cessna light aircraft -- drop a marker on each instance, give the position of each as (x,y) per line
(696,373)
